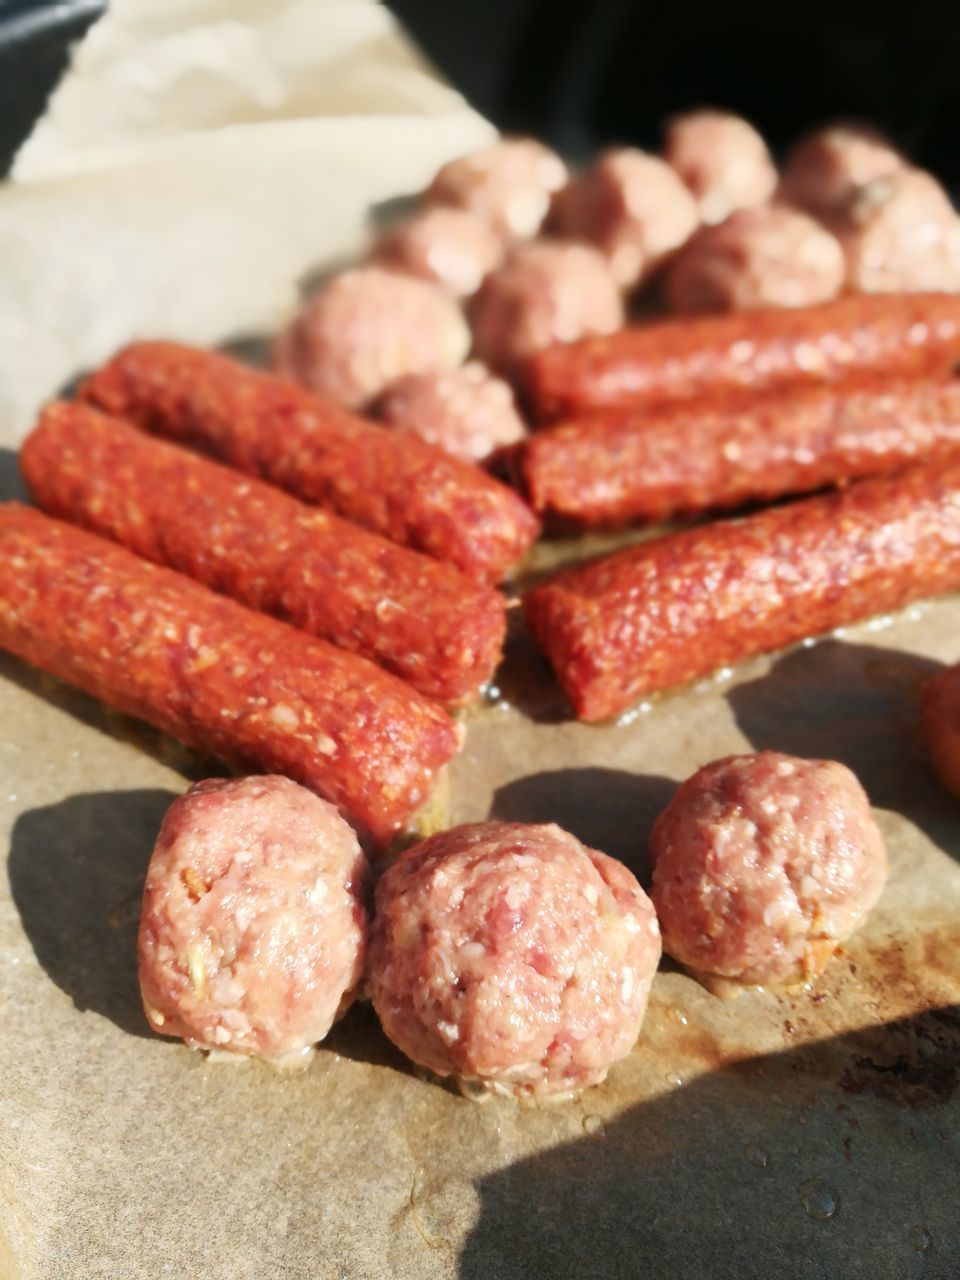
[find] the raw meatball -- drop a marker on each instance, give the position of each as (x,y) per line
(723,160)
(827,169)
(633,207)
(767,257)
(509,185)
(452,247)
(762,864)
(941,725)
(253,926)
(545,292)
(368,327)
(902,235)
(512,957)
(468,412)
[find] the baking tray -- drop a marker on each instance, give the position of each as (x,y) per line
(809,1134)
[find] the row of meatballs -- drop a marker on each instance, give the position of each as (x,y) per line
(507,254)
(508,956)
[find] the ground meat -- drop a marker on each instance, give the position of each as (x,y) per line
(451,247)
(509,185)
(467,412)
(768,257)
(673,608)
(512,957)
(546,292)
(633,207)
(253,927)
(687,356)
(392,483)
(941,725)
(224,680)
(368,327)
(763,864)
(723,160)
(724,451)
(901,234)
(825,170)
(414,615)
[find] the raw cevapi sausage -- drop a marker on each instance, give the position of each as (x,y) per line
(903,336)
(222,679)
(680,606)
(717,453)
(395,484)
(417,617)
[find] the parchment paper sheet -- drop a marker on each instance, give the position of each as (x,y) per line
(199,159)
(807,1136)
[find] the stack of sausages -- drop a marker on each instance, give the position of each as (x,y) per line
(856,396)
(319,635)
(242,560)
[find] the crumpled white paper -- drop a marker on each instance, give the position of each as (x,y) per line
(199,158)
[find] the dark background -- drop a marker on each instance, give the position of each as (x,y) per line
(581,72)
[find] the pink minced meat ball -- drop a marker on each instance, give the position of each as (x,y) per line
(826,169)
(941,725)
(723,160)
(253,925)
(763,864)
(547,291)
(901,234)
(368,327)
(512,957)
(468,411)
(633,207)
(509,185)
(767,257)
(452,247)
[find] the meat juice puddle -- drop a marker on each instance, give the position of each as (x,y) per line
(820,1200)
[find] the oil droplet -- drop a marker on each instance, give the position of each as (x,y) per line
(677,1015)
(634,713)
(920,1239)
(594,1126)
(674,1081)
(819,1200)
(757,1156)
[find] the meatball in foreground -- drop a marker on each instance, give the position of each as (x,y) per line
(723,160)
(253,925)
(368,327)
(512,957)
(547,291)
(452,247)
(509,185)
(828,168)
(941,725)
(769,257)
(633,207)
(763,864)
(468,411)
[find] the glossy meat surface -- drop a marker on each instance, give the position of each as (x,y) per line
(763,864)
(513,957)
(220,678)
(254,920)
(394,484)
(411,614)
